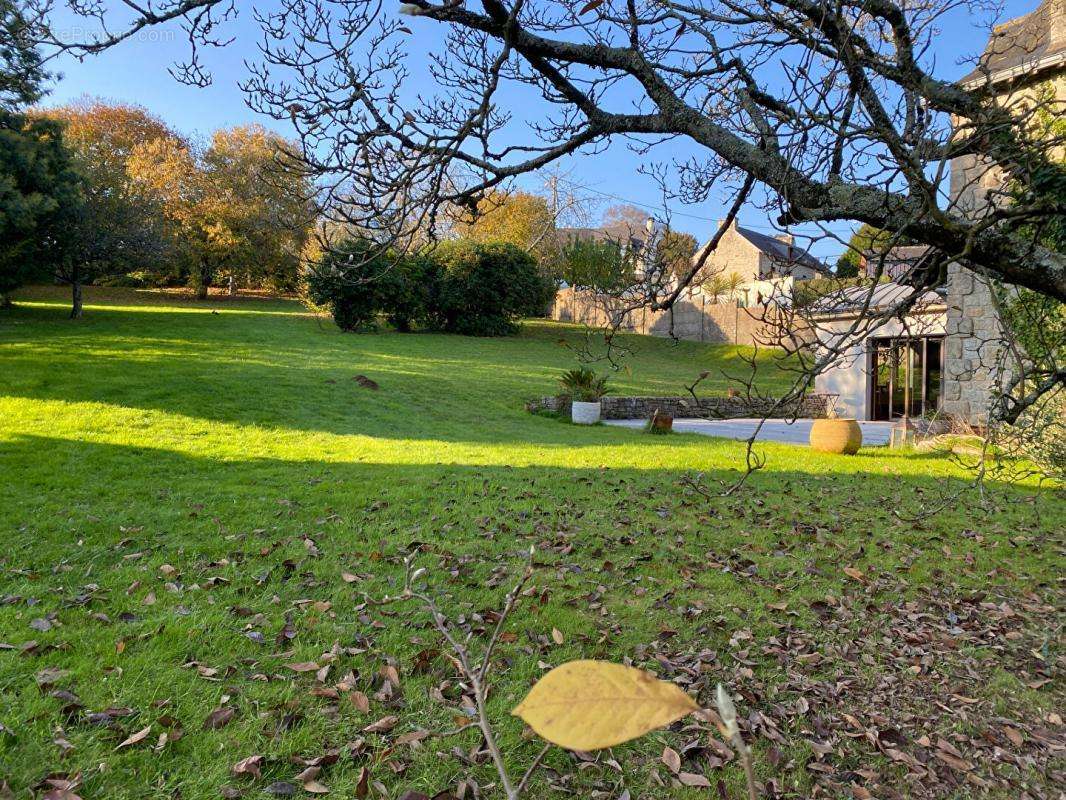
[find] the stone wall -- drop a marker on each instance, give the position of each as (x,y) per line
(813,406)
(973,344)
(735,255)
(692,318)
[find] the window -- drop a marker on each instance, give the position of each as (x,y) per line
(905,376)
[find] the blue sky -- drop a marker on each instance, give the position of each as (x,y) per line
(136,72)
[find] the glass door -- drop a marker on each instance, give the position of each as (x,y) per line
(905,377)
(934,354)
(884,372)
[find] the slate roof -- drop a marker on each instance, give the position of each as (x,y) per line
(580,234)
(896,262)
(1025,45)
(781,251)
(567,235)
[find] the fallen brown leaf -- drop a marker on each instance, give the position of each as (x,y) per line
(136,738)
(383,725)
(672,760)
(219,718)
(248,766)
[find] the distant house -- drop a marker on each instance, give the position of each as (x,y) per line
(568,235)
(894,264)
(765,269)
(753,257)
(765,266)
(631,245)
(758,257)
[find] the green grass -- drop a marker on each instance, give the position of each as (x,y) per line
(229,440)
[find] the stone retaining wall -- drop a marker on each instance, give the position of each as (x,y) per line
(813,406)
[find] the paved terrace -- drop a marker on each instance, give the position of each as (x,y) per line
(874,434)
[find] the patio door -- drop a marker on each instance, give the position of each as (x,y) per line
(905,376)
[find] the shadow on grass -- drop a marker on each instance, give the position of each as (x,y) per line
(81,478)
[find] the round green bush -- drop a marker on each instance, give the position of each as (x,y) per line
(461,287)
(483,289)
(359,280)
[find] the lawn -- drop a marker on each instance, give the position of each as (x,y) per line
(195,495)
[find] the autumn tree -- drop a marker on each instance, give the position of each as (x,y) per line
(520,218)
(119,227)
(260,204)
(194,212)
(239,208)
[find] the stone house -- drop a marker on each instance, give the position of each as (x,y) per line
(1025,59)
(765,266)
(944,356)
(893,264)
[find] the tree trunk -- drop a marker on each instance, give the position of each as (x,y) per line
(203,284)
(75,294)
(232,286)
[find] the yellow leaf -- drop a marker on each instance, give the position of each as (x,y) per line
(589,705)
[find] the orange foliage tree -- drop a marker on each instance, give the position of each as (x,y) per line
(119,226)
(240,208)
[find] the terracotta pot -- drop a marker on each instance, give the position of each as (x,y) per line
(662,422)
(585,413)
(842,436)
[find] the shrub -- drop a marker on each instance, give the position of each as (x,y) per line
(405,291)
(599,265)
(583,385)
(482,289)
(462,287)
(359,280)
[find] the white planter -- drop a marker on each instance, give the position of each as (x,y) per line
(585,413)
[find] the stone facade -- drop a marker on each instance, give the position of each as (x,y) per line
(755,257)
(972,347)
(813,406)
(1024,57)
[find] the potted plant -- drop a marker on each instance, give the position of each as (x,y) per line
(585,389)
(836,435)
